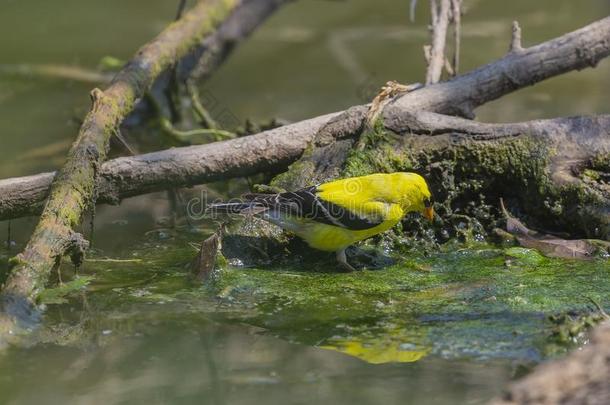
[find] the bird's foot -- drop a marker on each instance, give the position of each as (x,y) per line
(342,259)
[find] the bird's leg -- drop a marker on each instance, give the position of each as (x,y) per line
(342,259)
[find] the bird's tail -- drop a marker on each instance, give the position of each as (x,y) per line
(244,208)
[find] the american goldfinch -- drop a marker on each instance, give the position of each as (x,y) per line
(334,215)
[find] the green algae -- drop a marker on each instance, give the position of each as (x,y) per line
(476,302)
(58,295)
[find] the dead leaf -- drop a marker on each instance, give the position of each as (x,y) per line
(548,245)
(203,264)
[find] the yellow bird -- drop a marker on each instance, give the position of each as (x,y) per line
(334,215)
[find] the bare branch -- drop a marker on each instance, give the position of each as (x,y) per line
(515,41)
(267,151)
(576,50)
(456,13)
(440,23)
(412,7)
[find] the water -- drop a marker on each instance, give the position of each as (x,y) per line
(144,333)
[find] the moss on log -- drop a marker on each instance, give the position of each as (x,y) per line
(553,173)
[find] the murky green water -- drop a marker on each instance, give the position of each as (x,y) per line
(453,328)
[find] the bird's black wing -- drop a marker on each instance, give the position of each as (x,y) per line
(305,203)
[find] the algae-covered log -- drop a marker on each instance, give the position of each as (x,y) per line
(555,171)
(73,189)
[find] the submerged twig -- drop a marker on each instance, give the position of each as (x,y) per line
(202,265)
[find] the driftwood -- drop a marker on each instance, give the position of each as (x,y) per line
(73,189)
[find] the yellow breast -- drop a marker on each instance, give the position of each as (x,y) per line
(332,238)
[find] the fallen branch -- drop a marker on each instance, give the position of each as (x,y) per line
(128,176)
(73,189)
(273,150)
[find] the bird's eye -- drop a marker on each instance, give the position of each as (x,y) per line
(427,202)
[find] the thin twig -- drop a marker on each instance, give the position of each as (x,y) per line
(186,136)
(456,11)
(119,136)
(8,238)
(515,41)
(440,23)
(449,68)
(412,7)
(51,71)
(180,10)
(203,116)
(181,136)
(599,308)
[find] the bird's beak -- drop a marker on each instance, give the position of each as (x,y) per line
(429,213)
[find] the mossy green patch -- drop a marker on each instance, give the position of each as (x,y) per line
(58,295)
(460,302)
